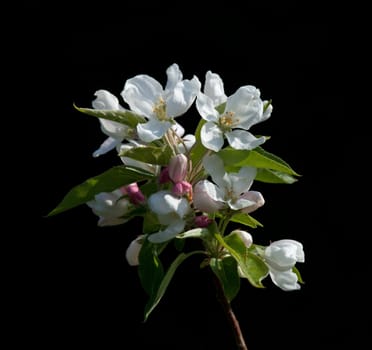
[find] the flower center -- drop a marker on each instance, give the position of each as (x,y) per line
(226,121)
(160,109)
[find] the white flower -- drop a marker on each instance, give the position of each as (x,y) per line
(171,212)
(146,97)
(133,251)
(281,256)
(243,109)
(228,189)
(110,208)
(116,132)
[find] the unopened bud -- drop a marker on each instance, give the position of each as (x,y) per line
(134,193)
(178,168)
(245,237)
(133,251)
(202,221)
(164,176)
(182,188)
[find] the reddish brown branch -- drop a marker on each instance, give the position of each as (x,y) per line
(233,321)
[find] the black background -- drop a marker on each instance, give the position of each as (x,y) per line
(74,286)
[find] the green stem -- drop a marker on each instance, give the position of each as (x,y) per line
(222,225)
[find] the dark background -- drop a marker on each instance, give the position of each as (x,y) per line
(74,286)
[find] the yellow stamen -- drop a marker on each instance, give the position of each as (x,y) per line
(160,109)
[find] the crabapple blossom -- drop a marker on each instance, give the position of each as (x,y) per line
(243,109)
(146,96)
(281,256)
(171,212)
(110,207)
(229,190)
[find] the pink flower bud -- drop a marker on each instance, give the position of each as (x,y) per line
(134,193)
(164,176)
(182,188)
(202,221)
(178,168)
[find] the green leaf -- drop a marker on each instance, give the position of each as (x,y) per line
(295,270)
(245,219)
(157,296)
(227,271)
(252,267)
(106,182)
(150,223)
(150,268)
(179,244)
(120,116)
(149,154)
(258,158)
(274,176)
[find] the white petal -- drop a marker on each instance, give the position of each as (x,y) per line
(181,97)
(214,89)
(152,130)
(214,166)
(180,206)
(283,254)
(105,100)
(246,106)
(188,141)
(114,129)
(109,209)
(109,144)
(239,101)
(170,232)
(157,203)
(207,197)
(241,139)
(285,280)
(240,203)
(205,107)
(242,181)
(178,129)
(164,203)
(211,136)
(174,75)
(297,246)
(256,198)
(142,93)
(133,251)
